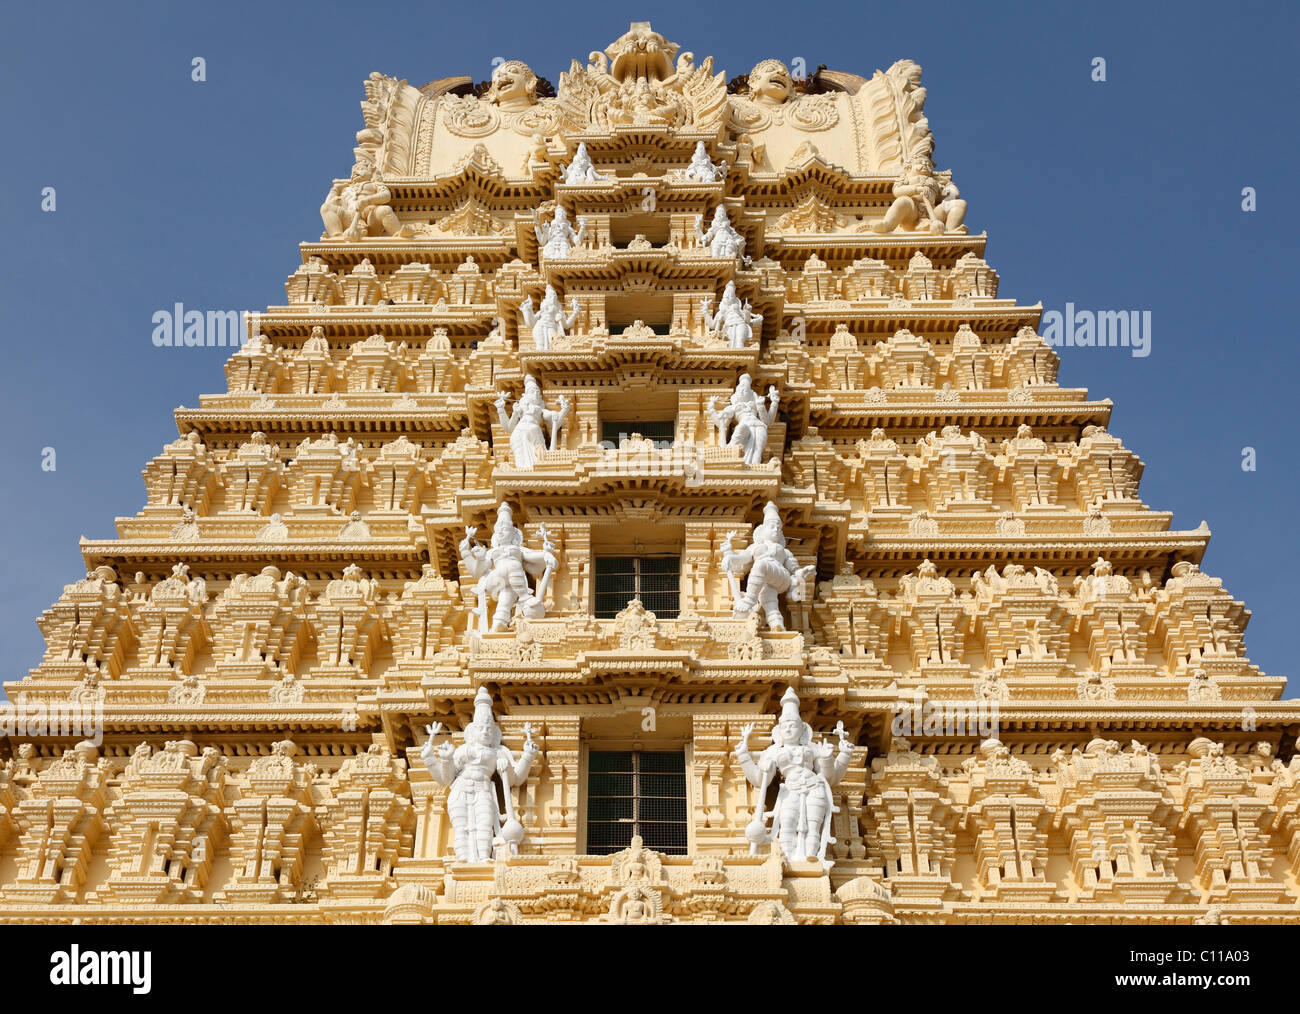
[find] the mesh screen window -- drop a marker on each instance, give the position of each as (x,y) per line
(661,431)
(655,580)
(636,793)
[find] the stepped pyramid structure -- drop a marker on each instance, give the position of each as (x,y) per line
(645,508)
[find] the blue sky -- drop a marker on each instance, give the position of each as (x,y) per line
(1117,195)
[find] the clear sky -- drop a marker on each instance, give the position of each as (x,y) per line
(1119,195)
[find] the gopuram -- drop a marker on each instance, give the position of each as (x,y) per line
(645,509)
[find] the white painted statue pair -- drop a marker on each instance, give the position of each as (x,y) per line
(473,804)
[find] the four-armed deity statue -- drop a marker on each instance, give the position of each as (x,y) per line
(702,169)
(473,802)
(503,570)
(801,816)
(773,570)
(734,319)
(751,416)
(581,170)
(557,237)
(525,423)
(721,239)
(548,321)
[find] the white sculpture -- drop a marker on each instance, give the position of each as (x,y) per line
(751,416)
(734,319)
(472,803)
(525,423)
(805,802)
(722,240)
(503,571)
(702,169)
(557,237)
(582,171)
(773,570)
(549,321)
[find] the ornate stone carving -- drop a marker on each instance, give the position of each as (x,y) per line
(502,572)
(773,570)
(751,419)
(468,771)
(801,815)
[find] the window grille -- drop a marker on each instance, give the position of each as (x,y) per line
(655,580)
(636,793)
(661,431)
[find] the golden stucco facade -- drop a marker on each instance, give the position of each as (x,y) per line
(740,374)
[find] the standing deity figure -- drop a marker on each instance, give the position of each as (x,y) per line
(734,319)
(702,169)
(557,237)
(923,201)
(548,321)
(525,423)
(581,170)
(751,416)
(472,803)
(722,240)
(503,570)
(359,208)
(801,817)
(773,570)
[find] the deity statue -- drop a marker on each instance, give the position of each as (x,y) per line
(770,83)
(750,415)
(702,169)
(548,321)
(514,86)
(582,171)
(359,208)
(472,803)
(721,239)
(503,571)
(923,201)
(525,423)
(557,237)
(773,570)
(801,817)
(734,319)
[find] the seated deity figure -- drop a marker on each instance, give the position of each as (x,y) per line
(503,571)
(773,570)
(801,815)
(922,201)
(721,240)
(751,416)
(360,208)
(525,423)
(734,319)
(582,171)
(702,169)
(549,321)
(473,803)
(557,237)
